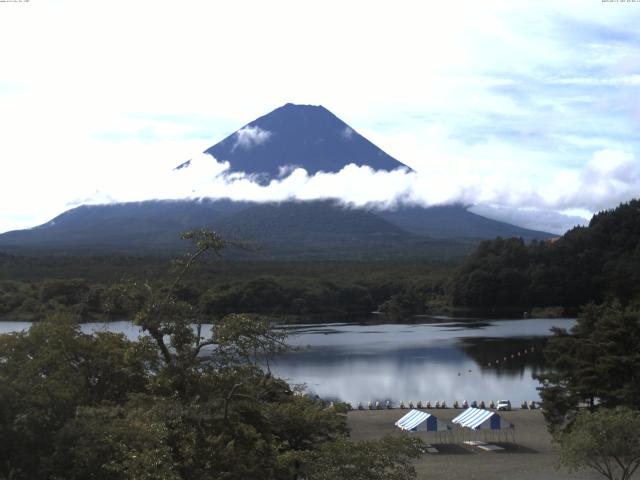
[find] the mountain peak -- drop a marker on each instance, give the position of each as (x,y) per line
(300,106)
(307,136)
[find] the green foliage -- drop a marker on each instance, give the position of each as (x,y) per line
(386,459)
(606,441)
(268,295)
(492,276)
(420,296)
(293,290)
(49,372)
(113,442)
(596,362)
(181,402)
(587,264)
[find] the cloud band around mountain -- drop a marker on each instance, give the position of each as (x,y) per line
(610,177)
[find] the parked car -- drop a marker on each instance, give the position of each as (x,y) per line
(503,405)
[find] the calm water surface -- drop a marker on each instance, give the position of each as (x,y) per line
(410,362)
(445,360)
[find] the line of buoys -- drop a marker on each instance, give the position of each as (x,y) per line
(510,357)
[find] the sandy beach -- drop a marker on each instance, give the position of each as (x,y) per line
(532,456)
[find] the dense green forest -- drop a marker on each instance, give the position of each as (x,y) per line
(92,287)
(587,264)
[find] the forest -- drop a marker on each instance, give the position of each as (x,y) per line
(587,264)
(92,287)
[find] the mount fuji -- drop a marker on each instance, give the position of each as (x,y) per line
(267,148)
(306,136)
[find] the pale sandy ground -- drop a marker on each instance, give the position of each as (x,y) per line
(532,456)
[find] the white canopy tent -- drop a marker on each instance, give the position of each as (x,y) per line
(417,420)
(478,419)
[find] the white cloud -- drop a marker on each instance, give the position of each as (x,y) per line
(533,218)
(612,165)
(249,137)
(609,177)
(347,133)
(622,80)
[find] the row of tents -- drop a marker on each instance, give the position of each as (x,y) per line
(473,419)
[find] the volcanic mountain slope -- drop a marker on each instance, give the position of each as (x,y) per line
(300,229)
(135,227)
(304,229)
(299,135)
(271,221)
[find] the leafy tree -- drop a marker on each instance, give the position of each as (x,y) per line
(50,371)
(594,363)
(606,441)
(388,459)
(115,441)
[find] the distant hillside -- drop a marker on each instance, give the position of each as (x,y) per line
(314,228)
(299,135)
(130,227)
(322,228)
(586,264)
(455,221)
(272,221)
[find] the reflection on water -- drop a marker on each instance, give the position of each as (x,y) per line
(476,360)
(479,360)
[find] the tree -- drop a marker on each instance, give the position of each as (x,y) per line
(387,459)
(50,371)
(594,363)
(607,441)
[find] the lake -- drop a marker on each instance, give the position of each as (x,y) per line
(440,359)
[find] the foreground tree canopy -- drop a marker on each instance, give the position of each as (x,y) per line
(606,441)
(177,403)
(591,392)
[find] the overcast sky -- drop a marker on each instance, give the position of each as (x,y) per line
(528,109)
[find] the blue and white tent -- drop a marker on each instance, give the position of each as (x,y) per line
(417,420)
(478,419)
